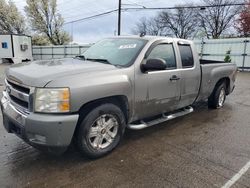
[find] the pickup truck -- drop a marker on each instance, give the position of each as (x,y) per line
(122,82)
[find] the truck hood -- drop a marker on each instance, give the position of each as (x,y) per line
(39,73)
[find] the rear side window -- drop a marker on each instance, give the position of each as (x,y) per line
(166,52)
(186,56)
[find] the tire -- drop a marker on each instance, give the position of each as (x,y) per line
(100,131)
(218,97)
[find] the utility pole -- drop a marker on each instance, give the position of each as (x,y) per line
(119,18)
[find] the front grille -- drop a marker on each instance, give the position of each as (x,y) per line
(19,95)
(18,87)
(20,102)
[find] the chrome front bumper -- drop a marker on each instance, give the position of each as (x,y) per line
(13,113)
(45,130)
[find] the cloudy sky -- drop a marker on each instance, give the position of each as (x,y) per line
(92,30)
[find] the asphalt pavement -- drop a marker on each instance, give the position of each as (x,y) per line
(207,148)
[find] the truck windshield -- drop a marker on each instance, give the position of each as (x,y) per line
(118,51)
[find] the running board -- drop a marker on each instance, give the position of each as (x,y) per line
(143,124)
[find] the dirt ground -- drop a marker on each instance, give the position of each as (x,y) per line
(203,149)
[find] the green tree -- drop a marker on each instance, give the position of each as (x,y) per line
(40,40)
(11,20)
(46,20)
(227,58)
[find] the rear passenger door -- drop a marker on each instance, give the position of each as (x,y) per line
(190,73)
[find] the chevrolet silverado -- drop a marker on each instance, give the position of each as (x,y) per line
(118,83)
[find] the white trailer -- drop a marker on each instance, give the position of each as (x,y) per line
(15,48)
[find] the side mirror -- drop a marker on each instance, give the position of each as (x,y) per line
(154,64)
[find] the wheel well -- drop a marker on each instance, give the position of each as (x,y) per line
(119,100)
(226,80)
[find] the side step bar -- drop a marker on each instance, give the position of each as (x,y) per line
(165,117)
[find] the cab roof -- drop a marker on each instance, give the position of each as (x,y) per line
(155,38)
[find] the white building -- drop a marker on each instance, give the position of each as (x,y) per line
(15,48)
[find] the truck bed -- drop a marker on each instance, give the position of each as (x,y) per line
(211,73)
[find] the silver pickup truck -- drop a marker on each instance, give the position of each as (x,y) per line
(118,83)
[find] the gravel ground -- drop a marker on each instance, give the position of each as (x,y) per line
(203,149)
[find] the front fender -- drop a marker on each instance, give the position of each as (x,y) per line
(101,88)
(84,89)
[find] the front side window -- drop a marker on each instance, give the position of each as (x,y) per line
(117,51)
(165,52)
(186,56)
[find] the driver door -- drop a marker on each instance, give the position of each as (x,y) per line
(163,85)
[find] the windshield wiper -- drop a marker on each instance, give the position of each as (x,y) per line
(100,60)
(80,57)
(105,61)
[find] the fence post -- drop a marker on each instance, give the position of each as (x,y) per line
(32,52)
(41,54)
(52,50)
(244,54)
(65,51)
(202,47)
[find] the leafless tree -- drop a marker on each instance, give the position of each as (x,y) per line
(181,22)
(217,19)
(149,26)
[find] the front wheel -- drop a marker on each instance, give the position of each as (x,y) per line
(218,97)
(101,130)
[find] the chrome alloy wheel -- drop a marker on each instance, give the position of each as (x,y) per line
(103,131)
(221,97)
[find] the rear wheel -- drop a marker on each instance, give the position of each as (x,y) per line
(101,130)
(218,97)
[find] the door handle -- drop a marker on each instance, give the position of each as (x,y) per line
(174,77)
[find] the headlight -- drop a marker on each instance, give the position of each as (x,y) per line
(53,100)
